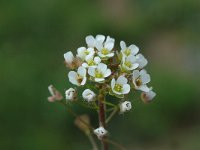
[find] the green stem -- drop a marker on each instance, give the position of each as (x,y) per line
(112,114)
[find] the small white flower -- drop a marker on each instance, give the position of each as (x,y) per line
(140,79)
(128,63)
(105,48)
(130,50)
(125,106)
(69,57)
(91,41)
(141,60)
(120,87)
(79,77)
(82,52)
(148,96)
(100,132)
(91,61)
(70,94)
(89,95)
(100,72)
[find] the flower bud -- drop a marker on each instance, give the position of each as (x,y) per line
(100,132)
(55,94)
(148,96)
(70,94)
(125,106)
(89,95)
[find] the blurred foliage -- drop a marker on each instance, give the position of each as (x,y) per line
(35,34)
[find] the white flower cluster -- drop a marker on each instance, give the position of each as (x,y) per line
(120,70)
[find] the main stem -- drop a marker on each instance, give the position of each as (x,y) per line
(102,116)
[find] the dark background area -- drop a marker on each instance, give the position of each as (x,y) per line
(34,35)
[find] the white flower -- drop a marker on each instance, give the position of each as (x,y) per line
(148,96)
(105,48)
(79,77)
(130,50)
(69,57)
(125,106)
(120,87)
(91,61)
(128,63)
(140,79)
(100,72)
(89,95)
(91,41)
(82,52)
(70,94)
(100,132)
(141,60)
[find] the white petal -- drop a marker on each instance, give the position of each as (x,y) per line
(100,38)
(97,60)
(84,81)
(126,88)
(122,45)
(131,58)
(134,49)
(102,67)
(99,46)
(134,66)
(143,72)
(122,80)
(107,73)
(99,79)
(90,41)
(109,46)
(85,65)
(113,83)
(91,71)
(81,71)
(69,57)
(144,88)
(145,78)
(80,50)
(91,50)
(72,75)
(110,55)
(136,74)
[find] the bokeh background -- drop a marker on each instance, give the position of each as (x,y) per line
(34,35)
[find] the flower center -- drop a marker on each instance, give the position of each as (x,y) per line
(98,74)
(91,63)
(138,82)
(87,52)
(127,52)
(79,79)
(118,87)
(105,51)
(128,64)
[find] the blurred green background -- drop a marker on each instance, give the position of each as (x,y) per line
(34,35)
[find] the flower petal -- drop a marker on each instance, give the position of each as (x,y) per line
(136,74)
(97,60)
(72,75)
(81,71)
(122,80)
(126,89)
(100,38)
(113,83)
(102,67)
(99,79)
(69,57)
(84,81)
(109,45)
(144,88)
(134,49)
(107,73)
(145,78)
(90,41)
(91,71)
(122,45)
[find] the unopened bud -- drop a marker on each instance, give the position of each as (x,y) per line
(125,106)
(71,94)
(100,132)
